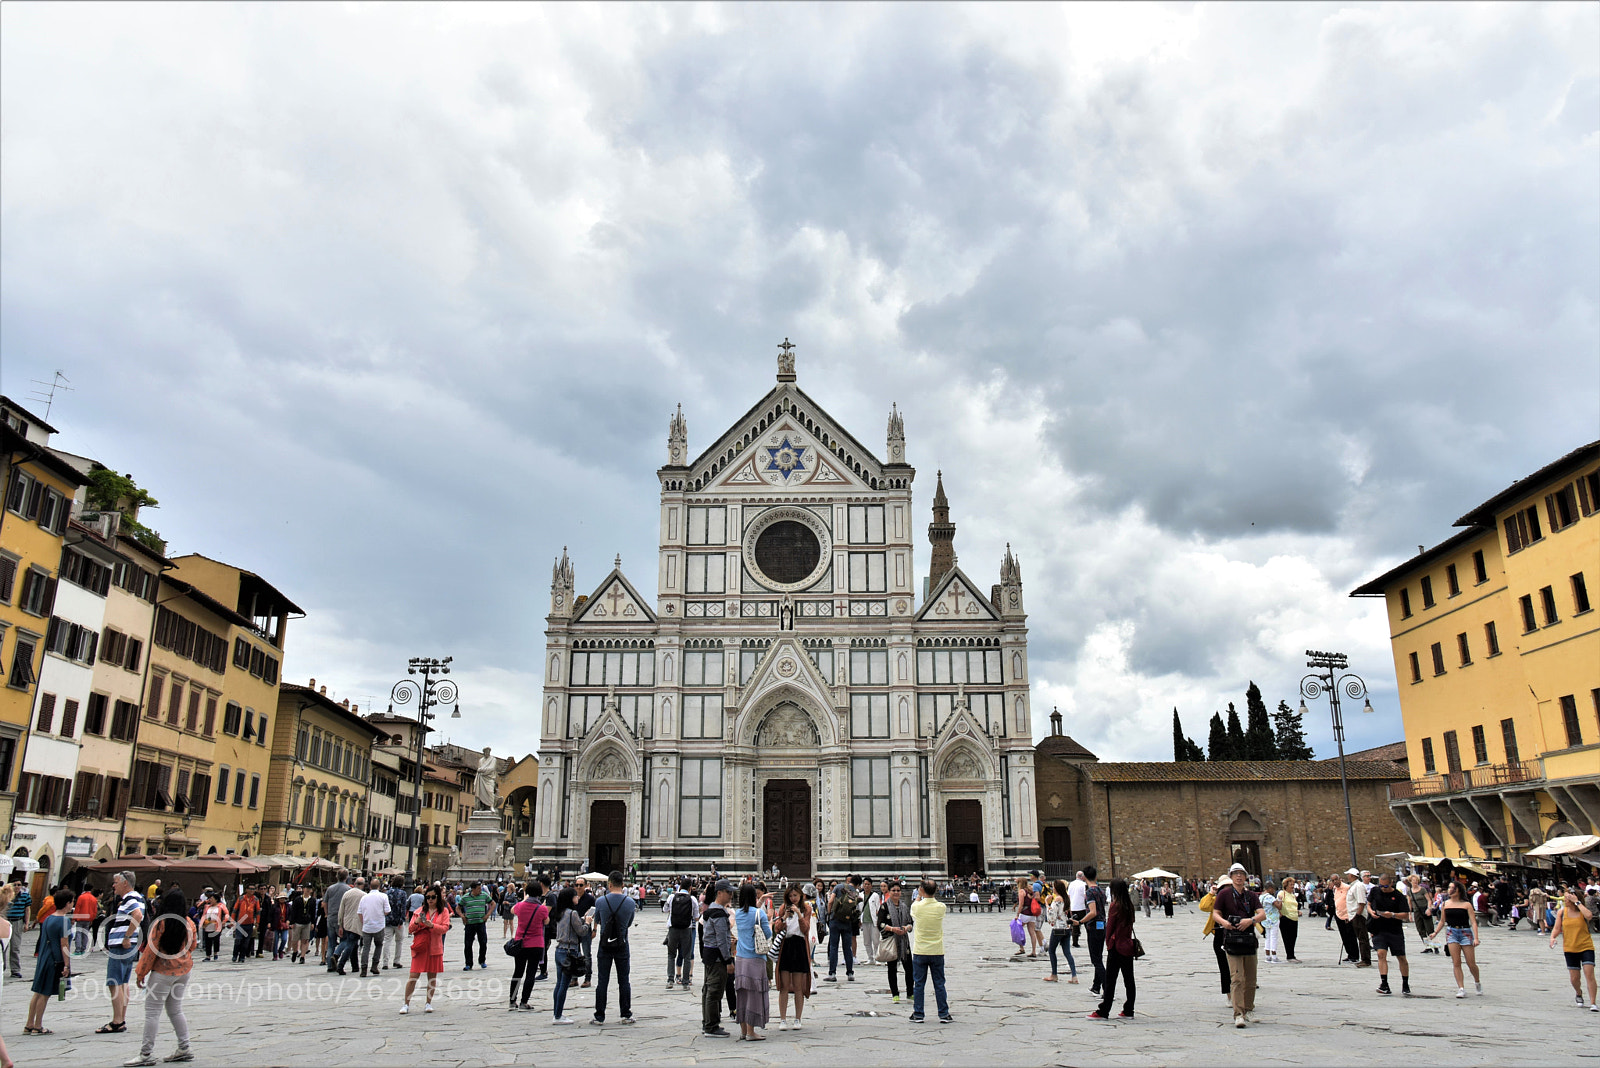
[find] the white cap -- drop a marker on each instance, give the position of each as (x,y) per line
(1353,871)
(1238,867)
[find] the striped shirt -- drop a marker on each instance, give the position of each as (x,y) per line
(123,931)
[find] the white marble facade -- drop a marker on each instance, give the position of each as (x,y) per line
(794,694)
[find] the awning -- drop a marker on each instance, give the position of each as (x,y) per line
(1565,844)
(1155,873)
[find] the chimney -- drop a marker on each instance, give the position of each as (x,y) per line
(345,703)
(323,691)
(355,708)
(313,684)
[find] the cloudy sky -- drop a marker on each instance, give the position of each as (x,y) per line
(1211,312)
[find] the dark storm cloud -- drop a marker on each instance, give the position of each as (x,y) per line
(1212,312)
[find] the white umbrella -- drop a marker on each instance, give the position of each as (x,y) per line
(1155,873)
(1565,844)
(593,877)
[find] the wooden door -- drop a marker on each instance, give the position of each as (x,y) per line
(1057,843)
(963,829)
(786,827)
(608,821)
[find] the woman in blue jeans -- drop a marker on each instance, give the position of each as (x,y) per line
(1060,932)
(572,930)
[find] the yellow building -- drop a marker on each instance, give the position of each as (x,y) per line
(317,790)
(201,761)
(39,487)
(1497,655)
(441,800)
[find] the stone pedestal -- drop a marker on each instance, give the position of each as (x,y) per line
(482,850)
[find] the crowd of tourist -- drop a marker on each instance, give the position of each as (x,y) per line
(751,937)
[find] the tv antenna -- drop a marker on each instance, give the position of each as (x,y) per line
(47,390)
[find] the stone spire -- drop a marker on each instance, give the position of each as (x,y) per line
(942,535)
(786,362)
(677,440)
(562,581)
(1055,721)
(897,436)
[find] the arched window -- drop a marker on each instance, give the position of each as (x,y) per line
(1016,665)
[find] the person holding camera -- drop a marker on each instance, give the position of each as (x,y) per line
(1238,913)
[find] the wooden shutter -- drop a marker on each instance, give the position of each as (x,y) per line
(8,577)
(69,718)
(153,710)
(141,783)
(47,713)
(211,716)
(174,704)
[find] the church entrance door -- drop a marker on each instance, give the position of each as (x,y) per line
(963,829)
(608,821)
(786,828)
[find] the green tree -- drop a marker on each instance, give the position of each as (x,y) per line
(1183,748)
(1291,734)
(1237,749)
(1217,744)
(108,491)
(1258,740)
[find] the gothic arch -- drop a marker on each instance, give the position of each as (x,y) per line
(749,719)
(960,759)
(787,726)
(606,761)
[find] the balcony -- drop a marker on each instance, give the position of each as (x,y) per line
(1455,782)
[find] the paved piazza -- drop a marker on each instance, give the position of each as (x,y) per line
(1312,1013)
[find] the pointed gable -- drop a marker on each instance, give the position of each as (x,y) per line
(956,600)
(616,601)
(787,440)
(786,664)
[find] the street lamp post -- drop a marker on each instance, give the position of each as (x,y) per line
(1332,677)
(424,695)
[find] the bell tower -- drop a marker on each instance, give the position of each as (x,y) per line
(942,536)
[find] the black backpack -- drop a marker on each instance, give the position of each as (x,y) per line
(682,910)
(611,936)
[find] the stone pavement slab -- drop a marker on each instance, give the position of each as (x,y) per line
(1316,1012)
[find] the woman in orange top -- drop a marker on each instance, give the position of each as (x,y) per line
(428,926)
(166,960)
(1572,926)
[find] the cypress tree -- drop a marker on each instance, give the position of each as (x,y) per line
(1237,748)
(1258,740)
(1291,734)
(1183,748)
(1218,742)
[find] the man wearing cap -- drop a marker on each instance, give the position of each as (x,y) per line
(1238,908)
(1389,912)
(1356,902)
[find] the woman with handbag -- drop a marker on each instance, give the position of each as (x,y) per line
(1119,952)
(572,931)
(894,923)
(1238,913)
(428,926)
(753,933)
(527,947)
(794,954)
(1061,924)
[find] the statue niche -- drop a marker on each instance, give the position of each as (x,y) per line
(787,727)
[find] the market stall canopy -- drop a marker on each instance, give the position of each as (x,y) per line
(11,864)
(592,877)
(1566,844)
(1156,873)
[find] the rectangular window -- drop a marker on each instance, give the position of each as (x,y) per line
(1438,658)
(124,716)
(8,576)
(192,721)
(1480,745)
(1463,649)
(1589,492)
(1547,595)
(582,710)
(1530,622)
(748,659)
(1405,603)
(47,713)
(867,573)
(1580,594)
(1491,638)
(135,655)
(1522,529)
(869,667)
(94,719)
(705,573)
(1451,581)
(702,715)
(822,657)
(21,675)
(1569,717)
(1427,591)
(700,797)
(232,717)
(38,593)
(222,785)
(1427,756)
(1005,796)
(869,715)
(1480,569)
(1416,668)
(865,524)
(708,525)
(702,667)
(613,668)
(210,725)
(238,789)
(1508,735)
(1452,753)
(255,790)
(174,703)
(869,797)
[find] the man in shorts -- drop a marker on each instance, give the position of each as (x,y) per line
(1388,911)
(122,948)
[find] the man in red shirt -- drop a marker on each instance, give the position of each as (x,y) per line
(84,911)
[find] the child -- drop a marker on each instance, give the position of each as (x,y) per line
(1269,927)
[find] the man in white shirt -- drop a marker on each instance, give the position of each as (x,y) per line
(869,920)
(1356,903)
(1075,903)
(373,909)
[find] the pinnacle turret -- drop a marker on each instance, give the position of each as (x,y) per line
(942,536)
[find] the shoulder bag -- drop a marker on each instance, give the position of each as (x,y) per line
(763,944)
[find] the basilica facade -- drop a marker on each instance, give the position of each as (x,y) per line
(791,696)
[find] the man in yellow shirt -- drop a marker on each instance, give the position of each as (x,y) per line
(927,951)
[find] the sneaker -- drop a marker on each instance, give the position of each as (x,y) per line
(1479,986)
(795,1026)
(560,1021)
(831,979)
(1595,1007)
(182,1053)
(916,1017)
(468,968)
(427,1007)
(897,999)
(671,985)
(947,1019)
(1461,991)
(1125,1014)
(1238,1019)
(783,1025)
(1384,989)
(625,1019)
(595,1021)
(404,1009)
(850,976)
(141,1059)
(524,1007)
(717,1033)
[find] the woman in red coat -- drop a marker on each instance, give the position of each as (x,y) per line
(428,926)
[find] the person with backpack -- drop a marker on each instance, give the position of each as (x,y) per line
(399,909)
(844,916)
(682,911)
(613,914)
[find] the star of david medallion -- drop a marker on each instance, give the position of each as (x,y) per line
(786,458)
